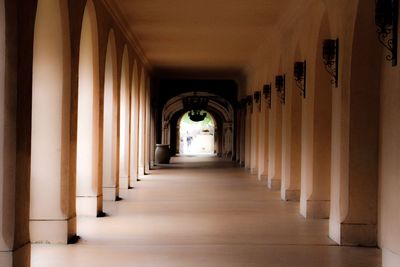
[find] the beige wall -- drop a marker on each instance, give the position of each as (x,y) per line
(352,121)
(389,167)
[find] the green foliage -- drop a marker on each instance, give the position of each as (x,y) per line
(207,122)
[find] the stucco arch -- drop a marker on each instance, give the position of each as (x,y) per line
(51,105)
(217,105)
(354,204)
(110,123)
(124,120)
(291,166)
(316,134)
(89,184)
(134,124)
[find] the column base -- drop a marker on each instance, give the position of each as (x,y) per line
(353,234)
(124,183)
(89,206)
(141,171)
(263,178)
(52,231)
(291,195)
(20,257)
(110,193)
(389,258)
(254,171)
(274,184)
(318,209)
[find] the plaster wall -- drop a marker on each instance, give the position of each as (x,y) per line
(54,209)
(350,156)
(89,184)
(254,139)
(134,130)
(261,139)
(247,136)
(124,123)
(110,134)
(389,169)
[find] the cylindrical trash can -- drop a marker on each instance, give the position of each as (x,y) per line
(162,154)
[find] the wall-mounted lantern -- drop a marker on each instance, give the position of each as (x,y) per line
(257,97)
(387,19)
(280,84)
(300,76)
(243,105)
(249,101)
(267,94)
(331,59)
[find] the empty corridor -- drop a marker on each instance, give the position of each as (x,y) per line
(206,213)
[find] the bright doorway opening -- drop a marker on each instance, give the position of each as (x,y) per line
(196,138)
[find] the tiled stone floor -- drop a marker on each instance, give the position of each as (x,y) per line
(202,212)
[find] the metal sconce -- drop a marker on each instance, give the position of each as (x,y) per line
(249,100)
(300,74)
(331,59)
(387,19)
(257,97)
(267,94)
(243,103)
(280,81)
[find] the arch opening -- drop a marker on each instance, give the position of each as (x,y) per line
(52,211)
(110,123)
(89,201)
(124,122)
(196,138)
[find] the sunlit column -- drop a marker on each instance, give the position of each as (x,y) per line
(52,209)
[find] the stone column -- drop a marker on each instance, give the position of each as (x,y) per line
(134,131)
(142,123)
(264,157)
(255,127)
(52,209)
(147,135)
(111,124)
(275,142)
(15,121)
(228,140)
(89,200)
(248,130)
(242,132)
(316,141)
(291,145)
(237,134)
(263,141)
(356,141)
(124,130)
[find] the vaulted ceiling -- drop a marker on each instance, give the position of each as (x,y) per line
(206,35)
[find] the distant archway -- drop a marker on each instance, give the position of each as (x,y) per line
(196,138)
(222,112)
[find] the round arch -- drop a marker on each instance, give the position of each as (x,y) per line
(222,111)
(196,137)
(110,122)
(88,181)
(134,124)
(51,123)
(316,134)
(124,121)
